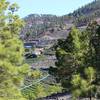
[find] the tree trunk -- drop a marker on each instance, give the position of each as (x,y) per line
(90,97)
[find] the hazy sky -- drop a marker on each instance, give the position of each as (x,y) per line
(57,7)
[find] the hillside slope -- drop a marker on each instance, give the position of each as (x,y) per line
(39,25)
(86,13)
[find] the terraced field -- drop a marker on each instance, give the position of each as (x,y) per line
(42,62)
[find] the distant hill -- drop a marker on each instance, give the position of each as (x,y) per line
(85,14)
(39,25)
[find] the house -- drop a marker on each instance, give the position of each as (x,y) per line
(28,45)
(38,51)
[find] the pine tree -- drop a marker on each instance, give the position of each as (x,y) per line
(84,86)
(70,56)
(12,69)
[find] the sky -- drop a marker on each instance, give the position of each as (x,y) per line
(55,7)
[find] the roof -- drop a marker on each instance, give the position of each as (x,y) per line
(28,45)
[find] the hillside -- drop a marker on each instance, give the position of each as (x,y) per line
(86,13)
(39,25)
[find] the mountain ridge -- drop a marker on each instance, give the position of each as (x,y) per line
(47,23)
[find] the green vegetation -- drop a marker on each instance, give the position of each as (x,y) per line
(70,56)
(40,90)
(34,60)
(36,88)
(12,69)
(85,14)
(85,86)
(74,55)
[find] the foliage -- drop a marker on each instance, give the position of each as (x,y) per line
(78,51)
(34,92)
(12,69)
(83,86)
(70,54)
(38,89)
(85,14)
